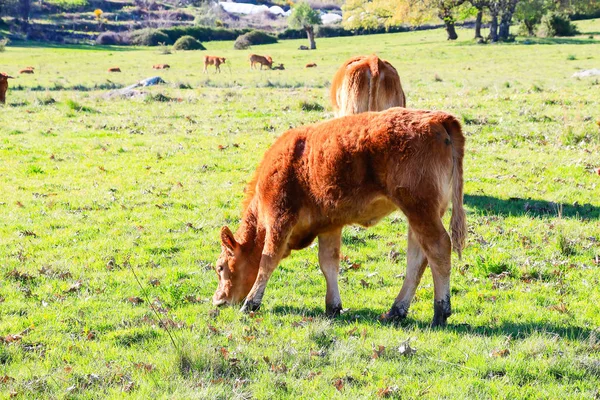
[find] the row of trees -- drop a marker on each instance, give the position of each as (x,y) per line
(20,9)
(378,13)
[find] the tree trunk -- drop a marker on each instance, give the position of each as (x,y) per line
(478,25)
(446,16)
(311,36)
(506,18)
(494,28)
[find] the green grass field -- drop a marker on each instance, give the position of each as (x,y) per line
(96,190)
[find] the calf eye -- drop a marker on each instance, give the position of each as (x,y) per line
(220,268)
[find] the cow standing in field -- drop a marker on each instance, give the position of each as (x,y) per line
(256,59)
(4,77)
(213,60)
(366,83)
(316,179)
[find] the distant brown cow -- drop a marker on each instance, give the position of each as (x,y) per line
(114,69)
(316,179)
(279,67)
(311,65)
(262,60)
(366,83)
(4,77)
(213,60)
(27,70)
(160,66)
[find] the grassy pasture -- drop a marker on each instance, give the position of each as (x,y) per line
(94,190)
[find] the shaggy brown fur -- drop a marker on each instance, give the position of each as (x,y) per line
(256,59)
(316,179)
(4,77)
(213,60)
(366,83)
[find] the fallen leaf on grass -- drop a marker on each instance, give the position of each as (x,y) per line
(155,282)
(339,384)
(377,352)
(135,300)
(74,287)
(405,349)
(6,379)
(282,368)
(19,276)
(212,329)
(387,391)
(144,366)
(128,387)
(500,353)
(221,147)
(364,284)
(351,331)
(249,338)
(312,374)
(224,352)
(561,308)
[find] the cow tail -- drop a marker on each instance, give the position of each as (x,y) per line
(374,82)
(458,221)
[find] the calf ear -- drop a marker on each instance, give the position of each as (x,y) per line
(227,239)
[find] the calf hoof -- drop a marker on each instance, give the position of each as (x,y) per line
(333,310)
(249,306)
(441,312)
(397,313)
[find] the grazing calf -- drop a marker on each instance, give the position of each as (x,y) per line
(311,65)
(256,59)
(366,83)
(316,179)
(4,77)
(279,67)
(213,60)
(161,66)
(114,69)
(27,70)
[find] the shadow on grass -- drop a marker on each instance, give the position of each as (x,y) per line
(527,207)
(516,330)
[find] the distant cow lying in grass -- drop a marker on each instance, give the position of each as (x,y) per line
(279,67)
(213,60)
(161,66)
(366,83)
(256,59)
(27,70)
(311,65)
(316,179)
(114,69)
(4,77)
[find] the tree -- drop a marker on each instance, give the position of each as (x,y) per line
(508,10)
(479,5)
(304,17)
(445,12)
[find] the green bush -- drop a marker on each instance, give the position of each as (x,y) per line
(253,38)
(203,33)
(556,24)
(149,37)
(188,43)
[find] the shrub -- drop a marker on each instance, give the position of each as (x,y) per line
(188,43)
(253,38)
(149,37)
(202,33)
(111,38)
(3,43)
(556,24)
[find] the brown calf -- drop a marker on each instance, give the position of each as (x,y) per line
(114,69)
(366,83)
(161,66)
(256,59)
(4,77)
(27,70)
(213,60)
(279,67)
(316,179)
(310,65)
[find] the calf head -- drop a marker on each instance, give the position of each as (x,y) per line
(236,271)
(222,59)
(4,77)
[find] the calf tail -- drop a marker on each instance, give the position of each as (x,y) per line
(458,221)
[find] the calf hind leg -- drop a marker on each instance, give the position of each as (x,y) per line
(329,261)
(415,265)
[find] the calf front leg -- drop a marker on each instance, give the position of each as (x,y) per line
(329,261)
(275,245)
